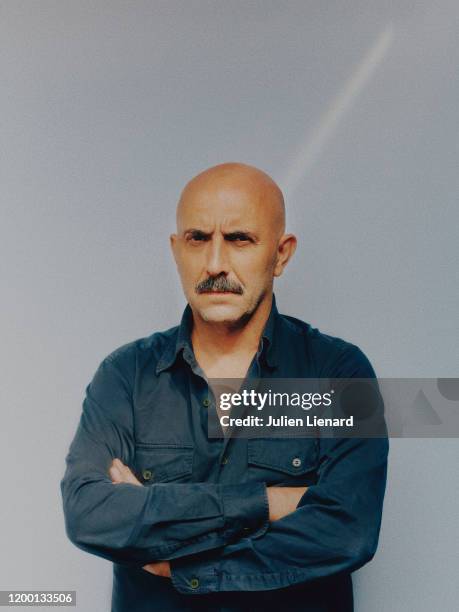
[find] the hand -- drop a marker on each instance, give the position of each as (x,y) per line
(159,568)
(121,473)
(283,500)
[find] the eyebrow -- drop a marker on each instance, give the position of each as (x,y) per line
(231,235)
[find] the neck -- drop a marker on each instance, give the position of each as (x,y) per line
(222,339)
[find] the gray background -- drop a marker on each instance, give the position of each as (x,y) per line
(107,108)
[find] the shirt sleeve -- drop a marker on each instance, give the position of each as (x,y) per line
(334,529)
(134,525)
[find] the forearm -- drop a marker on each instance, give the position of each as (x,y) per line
(335,529)
(134,525)
(281,501)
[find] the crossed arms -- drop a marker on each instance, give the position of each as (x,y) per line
(281,501)
(234,537)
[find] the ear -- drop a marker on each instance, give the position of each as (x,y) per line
(285,249)
(173,241)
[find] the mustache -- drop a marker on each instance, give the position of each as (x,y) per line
(219,283)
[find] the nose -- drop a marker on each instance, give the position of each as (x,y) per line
(217,257)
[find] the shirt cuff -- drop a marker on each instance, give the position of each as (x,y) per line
(246,509)
(191,576)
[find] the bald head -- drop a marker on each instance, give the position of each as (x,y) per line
(237,183)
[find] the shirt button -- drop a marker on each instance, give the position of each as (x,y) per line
(147,474)
(194,583)
(206,402)
(296,462)
(224,460)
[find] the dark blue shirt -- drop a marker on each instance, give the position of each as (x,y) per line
(204,504)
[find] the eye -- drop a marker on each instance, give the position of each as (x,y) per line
(197,237)
(238,238)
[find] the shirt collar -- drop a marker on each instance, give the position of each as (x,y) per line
(182,339)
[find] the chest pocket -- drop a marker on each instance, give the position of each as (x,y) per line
(163,463)
(280,461)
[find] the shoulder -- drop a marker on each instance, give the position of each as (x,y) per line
(131,355)
(331,356)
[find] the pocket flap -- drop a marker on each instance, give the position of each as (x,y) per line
(158,463)
(292,456)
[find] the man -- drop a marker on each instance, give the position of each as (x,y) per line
(198,523)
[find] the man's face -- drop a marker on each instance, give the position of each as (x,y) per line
(226,248)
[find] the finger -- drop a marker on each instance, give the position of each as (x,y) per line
(120,468)
(115,474)
(157,568)
(126,473)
